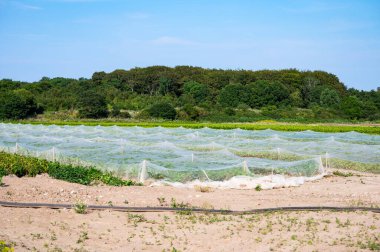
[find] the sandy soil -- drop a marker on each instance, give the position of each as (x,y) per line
(52,230)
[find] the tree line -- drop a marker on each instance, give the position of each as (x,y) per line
(191,93)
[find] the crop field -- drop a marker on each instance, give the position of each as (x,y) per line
(264,157)
(261,125)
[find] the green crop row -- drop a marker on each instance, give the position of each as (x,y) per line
(355,166)
(370,129)
(31,166)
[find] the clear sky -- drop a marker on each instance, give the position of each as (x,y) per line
(74,38)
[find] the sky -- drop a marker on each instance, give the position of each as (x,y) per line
(75,38)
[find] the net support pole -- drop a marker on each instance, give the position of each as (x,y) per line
(206,175)
(321,168)
(143,172)
(192,157)
(16,148)
(245,167)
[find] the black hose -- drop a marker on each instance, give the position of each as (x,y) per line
(201,210)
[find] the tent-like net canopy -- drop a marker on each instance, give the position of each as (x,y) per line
(182,155)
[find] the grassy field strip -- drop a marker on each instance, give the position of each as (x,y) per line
(247,126)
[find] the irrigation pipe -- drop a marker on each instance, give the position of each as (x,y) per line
(199,210)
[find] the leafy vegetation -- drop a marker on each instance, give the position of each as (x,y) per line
(80,208)
(261,125)
(343,174)
(31,166)
(18,104)
(162,110)
(355,166)
(192,93)
(4,247)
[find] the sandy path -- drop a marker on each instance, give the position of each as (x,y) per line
(65,230)
(361,190)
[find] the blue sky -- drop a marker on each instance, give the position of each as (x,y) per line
(74,38)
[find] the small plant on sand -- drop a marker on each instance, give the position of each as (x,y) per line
(82,237)
(373,245)
(202,188)
(4,247)
(258,188)
(175,204)
(162,201)
(136,218)
(80,207)
(343,174)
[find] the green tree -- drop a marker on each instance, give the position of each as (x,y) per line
(18,104)
(92,105)
(199,92)
(164,86)
(350,106)
(267,93)
(98,77)
(329,98)
(234,94)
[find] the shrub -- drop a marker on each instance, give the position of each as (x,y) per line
(191,112)
(92,105)
(144,114)
(80,208)
(329,98)
(229,111)
(199,92)
(18,104)
(163,110)
(30,166)
(74,174)
(125,114)
(234,94)
(258,188)
(117,112)
(267,93)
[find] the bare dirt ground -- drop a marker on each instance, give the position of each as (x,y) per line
(66,230)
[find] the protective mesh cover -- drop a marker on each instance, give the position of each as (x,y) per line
(182,155)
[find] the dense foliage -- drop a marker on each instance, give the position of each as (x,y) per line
(31,166)
(18,104)
(162,110)
(195,93)
(92,105)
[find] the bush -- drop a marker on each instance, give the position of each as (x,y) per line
(19,104)
(234,94)
(329,98)
(30,166)
(92,105)
(116,112)
(191,112)
(74,174)
(229,111)
(163,110)
(199,92)
(143,114)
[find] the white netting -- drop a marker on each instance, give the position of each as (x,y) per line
(179,154)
